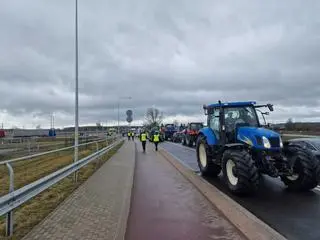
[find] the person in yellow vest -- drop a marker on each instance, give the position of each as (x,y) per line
(132,135)
(143,139)
(156,139)
(129,135)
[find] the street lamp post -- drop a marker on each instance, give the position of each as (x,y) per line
(76,129)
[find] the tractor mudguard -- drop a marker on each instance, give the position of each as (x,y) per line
(209,135)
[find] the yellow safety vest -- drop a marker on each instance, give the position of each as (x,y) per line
(156,138)
(143,137)
(128,134)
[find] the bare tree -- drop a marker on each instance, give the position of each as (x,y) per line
(289,124)
(153,117)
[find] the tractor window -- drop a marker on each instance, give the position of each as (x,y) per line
(214,122)
(240,115)
(196,126)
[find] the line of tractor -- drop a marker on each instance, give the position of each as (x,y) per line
(237,144)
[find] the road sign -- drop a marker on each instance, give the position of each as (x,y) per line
(129,115)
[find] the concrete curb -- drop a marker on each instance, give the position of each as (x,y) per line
(247,223)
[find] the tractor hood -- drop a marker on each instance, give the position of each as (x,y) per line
(253,136)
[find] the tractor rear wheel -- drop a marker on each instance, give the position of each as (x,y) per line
(187,141)
(205,163)
(190,144)
(240,172)
(183,141)
(305,170)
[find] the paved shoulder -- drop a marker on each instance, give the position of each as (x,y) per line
(167,206)
(99,208)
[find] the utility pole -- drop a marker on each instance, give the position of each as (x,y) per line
(76,127)
(118,116)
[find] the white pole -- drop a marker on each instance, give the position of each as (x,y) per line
(76,129)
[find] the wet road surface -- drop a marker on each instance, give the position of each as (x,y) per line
(166,206)
(294,215)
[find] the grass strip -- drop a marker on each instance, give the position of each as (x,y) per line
(34,211)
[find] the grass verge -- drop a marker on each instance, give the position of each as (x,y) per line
(34,211)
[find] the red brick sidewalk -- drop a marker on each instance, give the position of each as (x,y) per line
(166,206)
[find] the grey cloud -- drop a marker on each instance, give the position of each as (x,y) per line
(176,56)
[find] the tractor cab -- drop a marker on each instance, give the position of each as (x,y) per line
(238,122)
(195,126)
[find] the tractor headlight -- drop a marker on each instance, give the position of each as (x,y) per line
(281,143)
(266,142)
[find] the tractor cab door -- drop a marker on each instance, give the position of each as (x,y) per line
(214,122)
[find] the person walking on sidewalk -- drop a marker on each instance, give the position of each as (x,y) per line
(129,135)
(132,135)
(156,139)
(143,139)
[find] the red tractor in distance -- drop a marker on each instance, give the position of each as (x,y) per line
(191,133)
(2,133)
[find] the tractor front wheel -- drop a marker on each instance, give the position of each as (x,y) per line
(206,165)
(240,172)
(305,171)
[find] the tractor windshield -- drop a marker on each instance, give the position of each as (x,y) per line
(196,126)
(241,115)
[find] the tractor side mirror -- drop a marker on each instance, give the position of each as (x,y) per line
(270,106)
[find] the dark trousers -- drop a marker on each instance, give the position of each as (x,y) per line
(129,138)
(156,145)
(144,145)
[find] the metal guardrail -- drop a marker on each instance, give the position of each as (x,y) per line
(49,152)
(30,147)
(15,198)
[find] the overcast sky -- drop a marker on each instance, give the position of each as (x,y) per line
(174,55)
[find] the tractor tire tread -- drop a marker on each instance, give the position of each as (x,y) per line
(212,169)
(311,169)
(248,175)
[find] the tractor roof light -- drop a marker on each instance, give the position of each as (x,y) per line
(266,142)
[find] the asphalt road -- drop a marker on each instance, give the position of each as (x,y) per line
(294,215)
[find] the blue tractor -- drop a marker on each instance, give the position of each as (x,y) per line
(169,130)
(235,143)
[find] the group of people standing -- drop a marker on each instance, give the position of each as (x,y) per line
(130,136)
(155,138)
